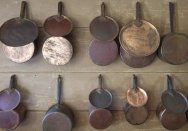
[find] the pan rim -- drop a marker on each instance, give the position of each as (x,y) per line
(110,19)
(125,27)
(15,19)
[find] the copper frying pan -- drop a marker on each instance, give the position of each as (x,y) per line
(103,27)
(136,96)
(174,46)
(139,38)
(58,25)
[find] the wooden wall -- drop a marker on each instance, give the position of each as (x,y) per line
(37,78)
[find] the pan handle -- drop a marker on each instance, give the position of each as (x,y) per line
(171,9)
(170,86)
(138,22)
(59,82)
(23,9)
(12,82)
(100,83)
(135,87)
(103,13)
(60,8)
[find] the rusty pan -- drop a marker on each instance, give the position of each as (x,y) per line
(10,97)
(134,61)
(136,96)
(58,117)
(135,115)
(99,118)
(9,120)
(100,97)
(19,31)
(170,120)
(174,46)
(103,53)
(58,25)
(173,100)
(57,50)
(139,37)
(19,54)
(104,28)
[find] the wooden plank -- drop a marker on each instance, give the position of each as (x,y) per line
(33,123)
(81,62)
(39,90)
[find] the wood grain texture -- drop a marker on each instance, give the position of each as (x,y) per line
(33,123)
(39,89)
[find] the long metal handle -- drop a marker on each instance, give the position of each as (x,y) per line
(170,86)
(23,9)
(103,9)
(135,86)
(138,14)
(60,8)
(100,81)
(171,10)
(59,82)
(12,81)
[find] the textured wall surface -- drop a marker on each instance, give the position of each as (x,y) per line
(37,78)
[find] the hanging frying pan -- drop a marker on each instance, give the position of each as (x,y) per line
(104,28)
(136,96)
(19,31)
(57,50)
(9,120)
(174,47)
(58,117)
(10,97)
(100,97)
(99,118)
(58,25)
(19,54)
(170,120)
(135,115)
(103,53)
(136,62)
(139,38)
(173,100)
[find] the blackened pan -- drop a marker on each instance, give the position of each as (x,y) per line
(104,28)
(173,100)
(174,46)
(58,117)
(100,118)
(135,115)
(100,97)
(139,37)
(58,25)
(9,120)
(136,96)
(19,31)
(170,120)
(19,54)
(103,53)
(134,61)
(10,97)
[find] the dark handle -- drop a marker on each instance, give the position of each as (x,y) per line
(100,81)
(170,87)
(103,9)
(138,14)
(60,8)
(12,81)
(135,87)
(23,9)
(59,82)
(171,9)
